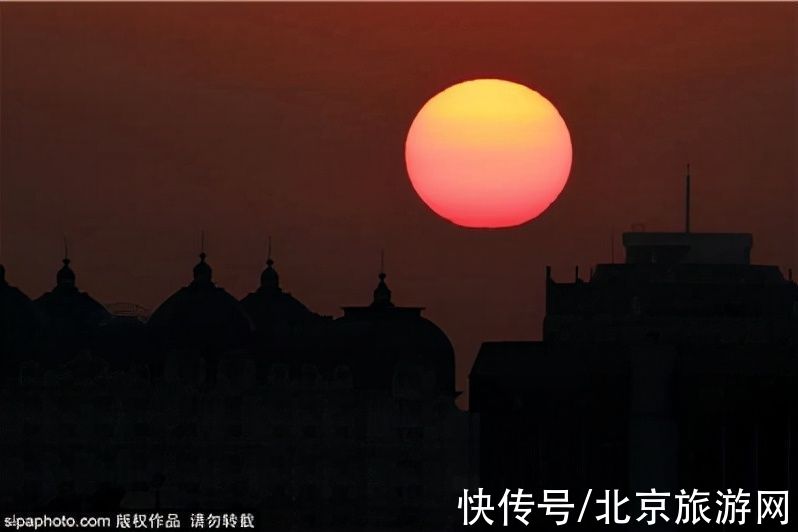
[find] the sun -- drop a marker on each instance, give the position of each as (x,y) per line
(488,153)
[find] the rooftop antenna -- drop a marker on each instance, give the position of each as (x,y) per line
(687,201)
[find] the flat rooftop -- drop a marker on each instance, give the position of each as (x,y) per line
(688,248)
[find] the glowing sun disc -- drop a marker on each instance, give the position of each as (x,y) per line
(488,153)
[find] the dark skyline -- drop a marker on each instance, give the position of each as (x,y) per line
(130,128)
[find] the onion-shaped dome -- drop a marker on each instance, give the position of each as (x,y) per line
(201,315)
(388,346)
(269,279)
(275,312)
(71,317)
(382,294)
(65,276)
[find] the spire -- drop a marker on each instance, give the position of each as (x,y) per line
(269,280)
(203,273)
(382,294)
(65,278)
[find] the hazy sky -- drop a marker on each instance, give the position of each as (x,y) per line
(130,128)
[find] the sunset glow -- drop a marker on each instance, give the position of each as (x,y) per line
(488,153)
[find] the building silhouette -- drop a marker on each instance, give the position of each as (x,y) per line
(214,403)
(674,370)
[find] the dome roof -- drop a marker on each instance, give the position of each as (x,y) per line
(203,272)
(274,310)
(71,318)
(380,337)
(382,294)
(201,315)
(67,307)
(65,276)
(269,280)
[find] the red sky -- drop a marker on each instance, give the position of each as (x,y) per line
(130,128)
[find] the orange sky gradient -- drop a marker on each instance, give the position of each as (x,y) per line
(131,127)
